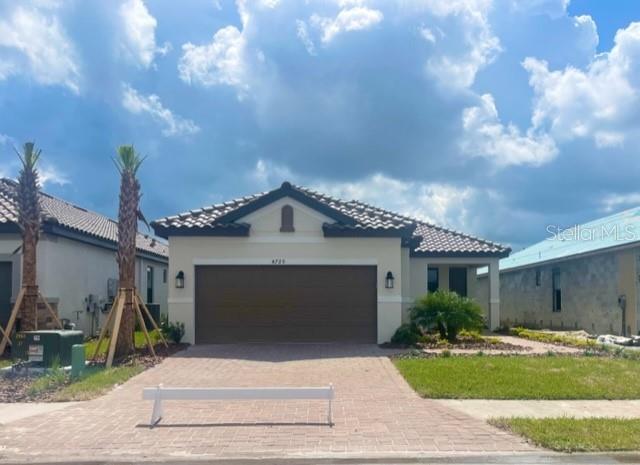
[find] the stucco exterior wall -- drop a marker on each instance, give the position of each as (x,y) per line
(68,271)
(590,287)
(306,246)
(418,278)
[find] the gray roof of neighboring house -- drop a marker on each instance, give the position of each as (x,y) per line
(352,218)
(59,213)
(619,229)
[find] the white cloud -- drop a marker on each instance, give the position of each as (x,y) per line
(438,203)
(139,32)
(34,43)
(459,56)
(174,125)
(600,102)
(303,35)
(266,175)
(485,136)
(553,8)
(220,62)
(49,174)
(427,34)
(619,202)
(4,139)
(355,18)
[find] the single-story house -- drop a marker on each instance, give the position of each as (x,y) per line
(296,265)
(583,277)
(77,270)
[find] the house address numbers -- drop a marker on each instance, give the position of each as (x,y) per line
(278,261)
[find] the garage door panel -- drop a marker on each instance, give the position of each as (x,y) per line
(289,303)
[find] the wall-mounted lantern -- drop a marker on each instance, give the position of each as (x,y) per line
(180,280)
(388,280)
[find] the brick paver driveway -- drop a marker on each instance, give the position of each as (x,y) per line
(375,413)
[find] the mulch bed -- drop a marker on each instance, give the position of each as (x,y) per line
(483,345)
(14,386)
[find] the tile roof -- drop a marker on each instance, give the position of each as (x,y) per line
(426,239)
(59,212)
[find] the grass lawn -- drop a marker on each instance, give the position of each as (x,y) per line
(556,377)
(576,435)
(90,345)
(94,382)
(5,362)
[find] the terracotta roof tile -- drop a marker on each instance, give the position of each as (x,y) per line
(427,239)
(57,211)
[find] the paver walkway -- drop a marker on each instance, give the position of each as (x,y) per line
(375,413)
(485,409)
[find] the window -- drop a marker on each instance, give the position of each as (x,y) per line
(458,280)
(286,224)
(149,284)
(433,279)
(164,276)
(557,291)
(538,278)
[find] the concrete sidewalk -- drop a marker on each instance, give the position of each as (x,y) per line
(485,409)
(10,412)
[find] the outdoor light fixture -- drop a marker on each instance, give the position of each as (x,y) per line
(388,280)
(180,279)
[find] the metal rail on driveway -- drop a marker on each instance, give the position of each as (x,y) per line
(160,393)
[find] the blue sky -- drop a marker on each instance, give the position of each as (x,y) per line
(495,117)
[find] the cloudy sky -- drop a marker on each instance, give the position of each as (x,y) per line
(495,117)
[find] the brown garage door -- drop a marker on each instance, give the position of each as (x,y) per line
(285,304)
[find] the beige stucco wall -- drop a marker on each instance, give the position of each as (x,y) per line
(306,246)
(68,271)
(590,287)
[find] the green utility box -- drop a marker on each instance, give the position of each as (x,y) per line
(43,348)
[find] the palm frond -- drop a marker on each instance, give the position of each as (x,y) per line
(143,219)
(128,160)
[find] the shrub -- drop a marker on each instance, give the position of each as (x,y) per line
(470,336)
(447,313)
(407,334)
(172,331)
(551,338)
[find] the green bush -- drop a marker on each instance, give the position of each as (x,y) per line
(172,331)
(407,334)
(470,336)
(448,313)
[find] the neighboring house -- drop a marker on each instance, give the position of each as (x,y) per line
(583,278)
(76,269)
(296,265)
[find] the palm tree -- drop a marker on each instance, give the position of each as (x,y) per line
(128,162)
(29,220)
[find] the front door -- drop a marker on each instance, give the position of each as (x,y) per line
(5,292)
(458,280)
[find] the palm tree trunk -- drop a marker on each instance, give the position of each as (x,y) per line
(29,313)
(127,230)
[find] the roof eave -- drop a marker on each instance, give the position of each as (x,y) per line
(460,254)
(337,230)
(220,230)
